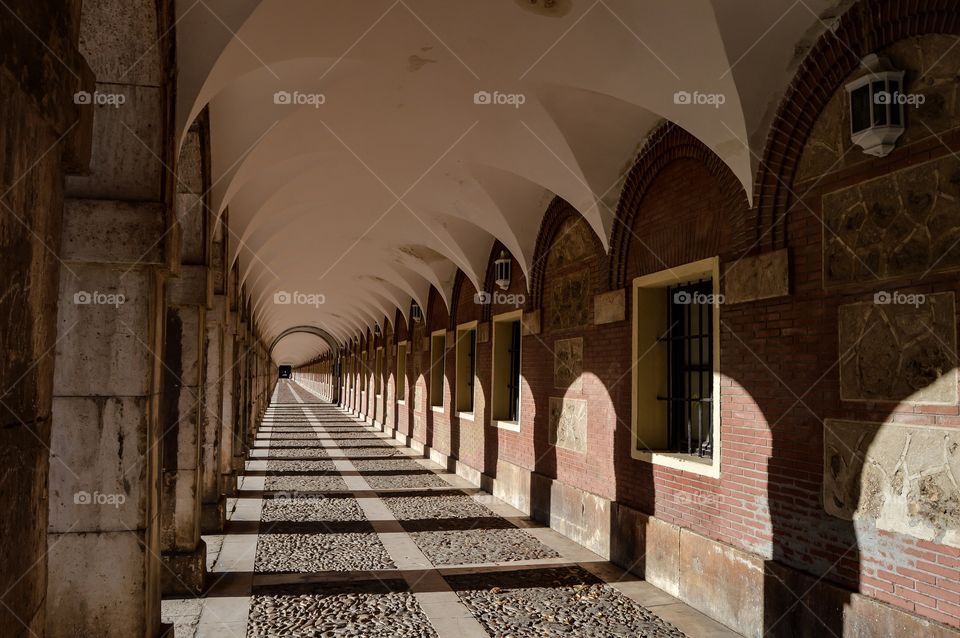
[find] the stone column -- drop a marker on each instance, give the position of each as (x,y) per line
(228,416)
(103,530)
(184,553)
(213,508)
(41,69)
(104,524)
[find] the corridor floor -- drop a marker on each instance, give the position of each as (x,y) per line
(338,530)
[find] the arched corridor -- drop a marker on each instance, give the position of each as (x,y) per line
(507,318)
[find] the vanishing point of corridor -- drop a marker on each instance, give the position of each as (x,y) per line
(339,530)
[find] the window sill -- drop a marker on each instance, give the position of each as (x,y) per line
(680,461)
(401,402)
(436,408)
(466,416)
(512,426)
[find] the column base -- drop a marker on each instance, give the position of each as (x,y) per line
(185,572)
(229,485)
(213,516)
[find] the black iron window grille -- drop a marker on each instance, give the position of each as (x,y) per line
(689,341)
(513,383)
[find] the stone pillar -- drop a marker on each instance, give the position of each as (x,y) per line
(103,530)
(213,507)
(228,422)
(184,553)
(104,524)
(41,69)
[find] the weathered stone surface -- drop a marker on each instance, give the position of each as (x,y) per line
(101,231)
(646,546)
(87,597)
(126,145)
(905,223)
(722,582)
(902,477)
(96,470)
(898,351)
(185,572)
(191,214)
(531,323)
(931,62)
(572,244)
(567,301)
(100,316)
(610,307)
(568,364)
(568,423)
(118,39)
(756,277)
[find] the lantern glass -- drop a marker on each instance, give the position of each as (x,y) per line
(502,270)
(876,107)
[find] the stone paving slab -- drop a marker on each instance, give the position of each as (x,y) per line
(321,552)
(465,547)
(397,481)
(305,483)
(301,465)
(564,601)
(444,505)
(297,453)
(379,609)
(311,508)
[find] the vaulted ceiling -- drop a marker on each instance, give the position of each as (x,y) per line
(359,170)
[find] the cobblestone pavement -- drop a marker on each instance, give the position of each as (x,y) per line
(357,537)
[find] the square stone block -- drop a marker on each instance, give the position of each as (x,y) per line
(901,224)
(724,583)
(610,307)
(757,277)
(99,588)
(97,467)
(103,231)
(103,332)
(899,348)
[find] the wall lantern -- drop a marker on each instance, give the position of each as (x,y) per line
(415,313)
(502,270)
(876,106)
(376,329)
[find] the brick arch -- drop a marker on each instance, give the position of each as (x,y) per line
(669,143)
(866,27)
(558,212)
